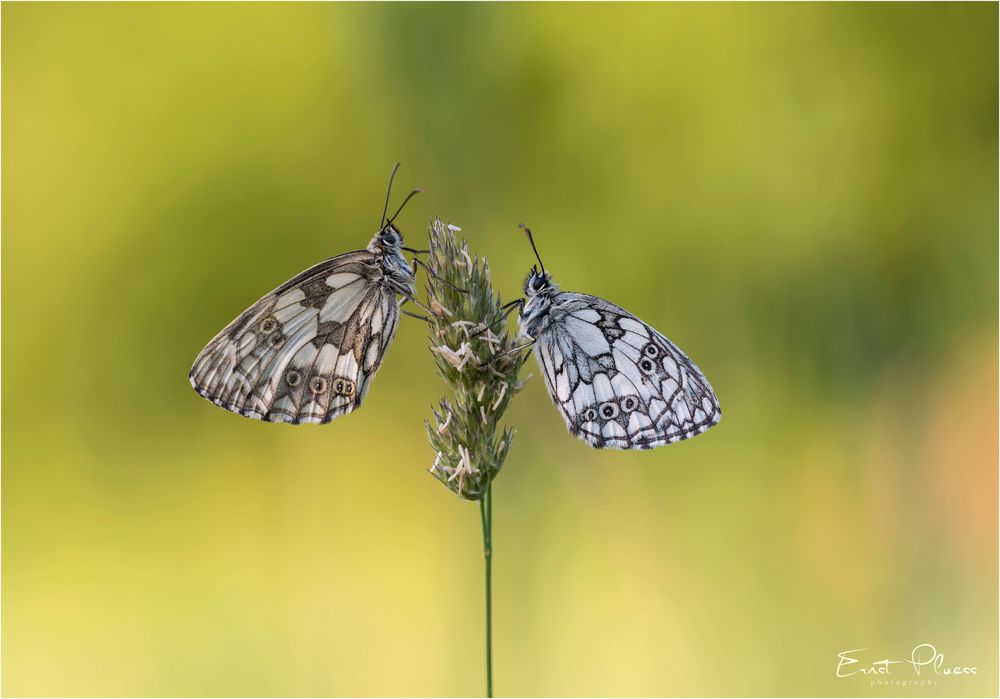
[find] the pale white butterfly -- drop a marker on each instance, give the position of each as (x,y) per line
(616,381)
(307,351)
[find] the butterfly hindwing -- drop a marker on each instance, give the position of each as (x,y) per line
(305,352)
(618,382)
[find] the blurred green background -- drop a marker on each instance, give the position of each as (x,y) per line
(803,197)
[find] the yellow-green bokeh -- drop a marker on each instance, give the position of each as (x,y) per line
(803,197)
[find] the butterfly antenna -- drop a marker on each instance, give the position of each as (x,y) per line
(409,196)
(388,191)
(531,240)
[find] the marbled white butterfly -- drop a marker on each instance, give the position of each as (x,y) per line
(617,382)
(307,351)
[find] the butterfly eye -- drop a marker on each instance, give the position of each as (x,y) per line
(629,404)
(317,384)
(338,386)
(590,415)
(348,387)
(293,378)
(268,325)
(647,365)
(651,350)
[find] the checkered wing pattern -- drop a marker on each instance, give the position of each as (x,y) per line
(306,352)
(618,382)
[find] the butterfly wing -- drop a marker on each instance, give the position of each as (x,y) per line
(617,382)
(307,351)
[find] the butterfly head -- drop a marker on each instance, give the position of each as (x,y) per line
(387,240)
(539,283)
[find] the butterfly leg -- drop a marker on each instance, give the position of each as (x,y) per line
(507,309)
(421,263)
(416,315)
(410,299)
(512,351)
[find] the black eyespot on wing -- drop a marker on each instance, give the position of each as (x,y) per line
(268,325)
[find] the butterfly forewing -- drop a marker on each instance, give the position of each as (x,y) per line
(307,351)
(618,382)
